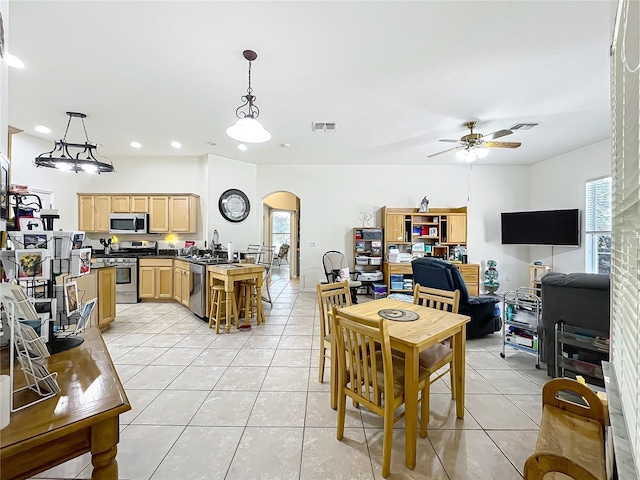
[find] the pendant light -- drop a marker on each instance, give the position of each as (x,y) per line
(248,129)
(74,157)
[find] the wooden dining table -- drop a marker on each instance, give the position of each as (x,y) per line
(231,273)
(83,417)
(411,338)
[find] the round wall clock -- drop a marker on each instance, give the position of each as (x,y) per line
(234,205)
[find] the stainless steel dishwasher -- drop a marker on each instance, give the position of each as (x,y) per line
(198,297)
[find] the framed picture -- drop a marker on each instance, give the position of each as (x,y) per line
(71,297)
(32,264)
(433,231)
(87,310)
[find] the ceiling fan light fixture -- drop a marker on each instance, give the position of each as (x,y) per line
(247,129)
(482,152)
(75,157)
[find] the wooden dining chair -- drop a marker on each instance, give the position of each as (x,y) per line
(369,374)
(328,295)
(436,357)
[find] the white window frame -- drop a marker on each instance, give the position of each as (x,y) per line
(592,255)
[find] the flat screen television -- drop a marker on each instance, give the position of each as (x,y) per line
(546,227)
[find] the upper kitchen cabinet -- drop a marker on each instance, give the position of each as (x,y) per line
(139,204)
(86,214)
(129,204)
(183,212)
(120,204)
(167,213)
(159,214)
(93,213)
(173,213)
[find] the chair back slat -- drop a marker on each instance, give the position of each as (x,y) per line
(435,298)
(364,351)
(328,295)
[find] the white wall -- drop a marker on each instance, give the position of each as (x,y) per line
(558,183)
(332,197)
(224,174)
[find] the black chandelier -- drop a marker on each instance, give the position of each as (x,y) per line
(75,157)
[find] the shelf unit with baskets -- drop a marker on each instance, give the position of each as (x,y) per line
(580,351)
(367,247)
(521,313)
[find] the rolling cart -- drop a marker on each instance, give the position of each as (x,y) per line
(520,317)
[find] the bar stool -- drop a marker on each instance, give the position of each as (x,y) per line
(248,301)
(218,310)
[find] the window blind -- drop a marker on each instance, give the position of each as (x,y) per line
(625,153)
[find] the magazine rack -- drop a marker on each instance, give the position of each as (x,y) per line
(27,347)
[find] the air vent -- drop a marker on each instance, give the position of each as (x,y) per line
(323,126)
(522,126)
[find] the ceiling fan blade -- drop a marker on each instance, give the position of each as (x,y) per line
(444,151)
(498,134)
(502,144)
(449,140)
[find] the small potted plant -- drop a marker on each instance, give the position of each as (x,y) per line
(491,283)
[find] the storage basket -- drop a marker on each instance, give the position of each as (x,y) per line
(375,260)
(362,260)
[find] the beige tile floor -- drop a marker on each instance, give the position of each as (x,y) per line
(248,405)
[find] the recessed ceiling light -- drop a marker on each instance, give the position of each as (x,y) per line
(136,144)
(13,61)
(42,129)
(242,147)
(176,144)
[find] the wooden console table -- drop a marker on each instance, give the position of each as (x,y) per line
(83,417)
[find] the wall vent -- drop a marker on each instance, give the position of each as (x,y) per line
(323,126)
(522,126)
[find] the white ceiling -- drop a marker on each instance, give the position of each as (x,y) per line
(395,76)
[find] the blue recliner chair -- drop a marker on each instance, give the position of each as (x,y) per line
(436,273)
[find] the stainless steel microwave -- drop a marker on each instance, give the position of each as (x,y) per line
(129,223)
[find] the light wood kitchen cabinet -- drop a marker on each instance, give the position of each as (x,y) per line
(394,228)
(155,278)
(102,211)
(120,204)
(456,229)
(182,214)
(139,204)
(129,204)
(85,213)
(181,282)
(167,213)
(93,213)
(106,296)
(159,214)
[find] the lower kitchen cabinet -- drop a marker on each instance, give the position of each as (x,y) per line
(182,282)
(106,296)
(156,278)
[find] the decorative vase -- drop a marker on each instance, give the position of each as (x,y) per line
(491,283)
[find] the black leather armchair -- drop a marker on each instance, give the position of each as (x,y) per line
(436,273)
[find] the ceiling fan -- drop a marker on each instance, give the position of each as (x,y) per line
(474,145)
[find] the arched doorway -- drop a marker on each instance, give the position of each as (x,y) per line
(281,226)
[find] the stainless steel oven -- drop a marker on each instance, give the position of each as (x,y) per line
(126,277)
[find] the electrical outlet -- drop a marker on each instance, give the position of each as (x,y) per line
(312,244)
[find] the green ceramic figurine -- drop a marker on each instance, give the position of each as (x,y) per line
(491,283)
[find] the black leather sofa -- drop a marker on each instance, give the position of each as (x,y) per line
(579,300)
(436,273)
